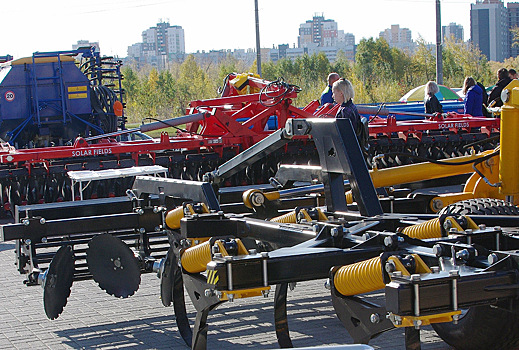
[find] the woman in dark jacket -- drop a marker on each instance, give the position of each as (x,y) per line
(473,98)
(432,105)
(343,93)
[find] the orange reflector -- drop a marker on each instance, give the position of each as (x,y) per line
(118,108)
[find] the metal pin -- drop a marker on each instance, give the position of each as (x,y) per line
(416,287)
(229,275)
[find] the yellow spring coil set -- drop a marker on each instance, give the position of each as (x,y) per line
(195,259)
(291,218)
(173,218)
(288,218)
(427,229)
(361,277)
(349,197)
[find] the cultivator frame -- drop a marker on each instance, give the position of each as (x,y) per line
(210,252)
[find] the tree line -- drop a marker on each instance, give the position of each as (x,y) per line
(379,74)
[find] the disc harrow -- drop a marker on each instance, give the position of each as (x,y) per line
(216,130)
(430,269)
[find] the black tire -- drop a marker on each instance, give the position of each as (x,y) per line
(481,206)
(482,327)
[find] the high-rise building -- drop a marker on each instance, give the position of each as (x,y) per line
(345,38)
(331,52)
(400,38)
(453,30)
(318,35)
(489,29)
(318,32)
(159,45)
(513,22)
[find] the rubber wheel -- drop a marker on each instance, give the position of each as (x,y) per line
(482,327)
(481,206)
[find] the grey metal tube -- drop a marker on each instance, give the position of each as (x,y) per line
(297,191)
(374,110)
(190,118)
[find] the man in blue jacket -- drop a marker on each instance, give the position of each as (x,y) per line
(326,96)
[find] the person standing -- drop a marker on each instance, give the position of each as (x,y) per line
(432,105)
(473,102)
(494,99)
(342,93)
(326,96)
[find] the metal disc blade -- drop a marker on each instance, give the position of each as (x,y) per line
(179,305)
(166,279)
(113,265)
(172,290)
(57,284)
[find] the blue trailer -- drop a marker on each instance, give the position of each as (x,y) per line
(52,97)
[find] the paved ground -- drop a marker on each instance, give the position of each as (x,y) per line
(94,320)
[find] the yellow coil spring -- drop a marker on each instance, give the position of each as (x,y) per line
(428,229)
(361,277)
(173,218)
(349,197)
(288,218)
(195,259)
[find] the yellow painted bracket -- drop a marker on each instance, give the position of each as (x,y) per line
(421,266)
(399,266)
(241,83)
(244,293)
(411,321)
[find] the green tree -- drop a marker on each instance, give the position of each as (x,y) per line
(424,63)
(379,74)
(373,65)
(193,84)
(514,33)
(461,60)
(342,65)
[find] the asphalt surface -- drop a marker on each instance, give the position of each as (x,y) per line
(93,319)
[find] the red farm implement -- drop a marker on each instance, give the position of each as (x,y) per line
(216,130)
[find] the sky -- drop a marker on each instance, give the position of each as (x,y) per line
(54,25)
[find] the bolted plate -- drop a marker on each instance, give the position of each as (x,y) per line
(113,265)
(58,281)
(167,278)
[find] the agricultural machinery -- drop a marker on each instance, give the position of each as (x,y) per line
(49,99)
(248,110)
(455,271)
(5,58)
